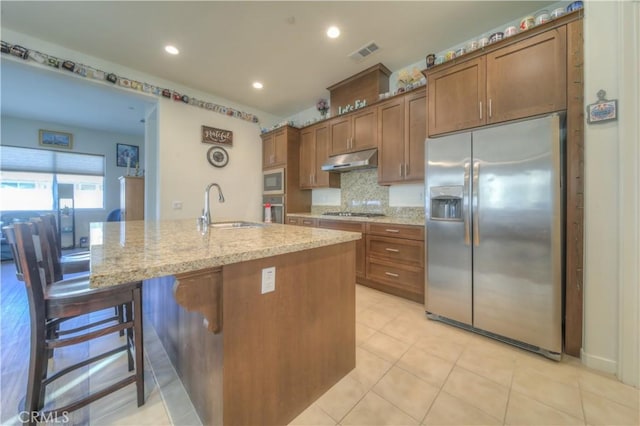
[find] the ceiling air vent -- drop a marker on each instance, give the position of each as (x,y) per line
(365,51)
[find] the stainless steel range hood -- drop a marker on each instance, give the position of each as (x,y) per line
(351,161)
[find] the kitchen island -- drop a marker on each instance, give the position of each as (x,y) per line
(248,352)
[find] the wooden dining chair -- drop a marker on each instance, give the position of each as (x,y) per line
(52,303)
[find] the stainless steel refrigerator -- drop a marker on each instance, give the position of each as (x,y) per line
(494,222)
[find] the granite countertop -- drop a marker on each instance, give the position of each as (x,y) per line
(137,250)
(417,221)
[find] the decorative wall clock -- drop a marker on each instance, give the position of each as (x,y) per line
(217,156)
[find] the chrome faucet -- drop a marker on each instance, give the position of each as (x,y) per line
(206,212)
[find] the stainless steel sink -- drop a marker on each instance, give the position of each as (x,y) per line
(236,225)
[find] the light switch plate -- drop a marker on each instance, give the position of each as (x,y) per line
(268,280)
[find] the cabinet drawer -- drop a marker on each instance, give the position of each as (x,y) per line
(342,225)
(407,278)
(301,221)
(410,252)
(306,221)
(397,231)
(293,220)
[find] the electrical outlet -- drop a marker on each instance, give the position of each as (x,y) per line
(268,280)
(177,205)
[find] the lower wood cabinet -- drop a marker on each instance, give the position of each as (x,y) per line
(389,257)
(395,259)
(360,244)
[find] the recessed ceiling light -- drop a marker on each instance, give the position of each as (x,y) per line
(333,32)
(257,85)
(171,49)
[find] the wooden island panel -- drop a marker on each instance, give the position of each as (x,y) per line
(277,352)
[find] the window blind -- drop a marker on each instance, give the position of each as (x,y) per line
(17,159)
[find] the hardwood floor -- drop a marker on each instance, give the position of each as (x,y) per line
(119,407)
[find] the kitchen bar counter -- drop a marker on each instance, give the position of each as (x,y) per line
(419,221)
(138,250)
(258,322)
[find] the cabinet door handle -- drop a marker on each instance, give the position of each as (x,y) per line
(480,110)
(391,274)
(490,114)
(400,170)
(392,250)
(395,231)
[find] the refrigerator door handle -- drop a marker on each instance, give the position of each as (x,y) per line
(476,204)
(467,210)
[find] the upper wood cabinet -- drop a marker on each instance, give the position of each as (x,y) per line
(274,148)
(522,79)
(353,132)
(456,97)
(528,78)
(402,130)
(314,151)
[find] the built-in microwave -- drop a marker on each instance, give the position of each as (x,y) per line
(273,182)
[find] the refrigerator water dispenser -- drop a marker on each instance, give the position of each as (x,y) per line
(446,202)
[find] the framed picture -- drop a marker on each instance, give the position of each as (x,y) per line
(53,139)
(127,155)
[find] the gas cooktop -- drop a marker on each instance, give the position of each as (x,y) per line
(353,214)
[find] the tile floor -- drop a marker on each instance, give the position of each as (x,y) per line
(409,371)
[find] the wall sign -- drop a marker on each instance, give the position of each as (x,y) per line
(213,135)
(602,110)
(348,108)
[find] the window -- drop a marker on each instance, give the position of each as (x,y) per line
(29,178)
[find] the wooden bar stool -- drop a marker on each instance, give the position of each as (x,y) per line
(69,263)
(53,302)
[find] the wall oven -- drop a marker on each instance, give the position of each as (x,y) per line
(273,182)
(277,207)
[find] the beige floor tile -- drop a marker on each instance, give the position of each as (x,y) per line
(374,410)
(428,367)
(550,392)
(493,365)
(602,411)
(363,333)
(562,371)
(342,397)
(610,388)
(408,330)
(407,392)
(374,318)
(452,411)
(440,346)
(386,347)
(478,391)
(523,410)
(313,416)
(454,334)
(369,368)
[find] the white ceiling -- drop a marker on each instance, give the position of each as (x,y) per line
(226,45)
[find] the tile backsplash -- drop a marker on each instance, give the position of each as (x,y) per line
(361,193)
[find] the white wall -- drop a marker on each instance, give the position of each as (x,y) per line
(611,192)
(24,132)
(184,171)
(178,169)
